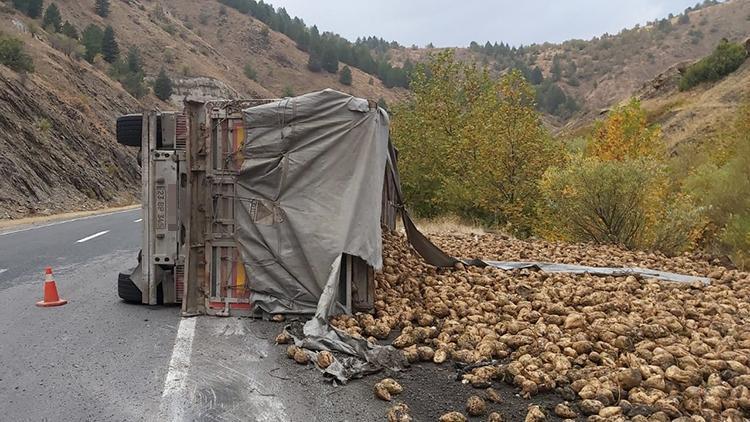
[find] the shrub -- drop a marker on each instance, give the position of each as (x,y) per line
(250,72)
(68,46)
(595,200)
(618,202)
(724,60)
(616,189)
(288,92)
(12,54)
(721,187)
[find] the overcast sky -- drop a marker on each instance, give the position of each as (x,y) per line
(449,23)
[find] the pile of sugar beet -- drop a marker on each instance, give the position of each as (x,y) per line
(614,348)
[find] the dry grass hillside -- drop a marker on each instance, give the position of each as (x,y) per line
(611,68)
(57,144)
(695,114)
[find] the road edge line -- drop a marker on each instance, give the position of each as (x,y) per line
(174,398)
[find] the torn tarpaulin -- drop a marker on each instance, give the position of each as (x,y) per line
(363,357)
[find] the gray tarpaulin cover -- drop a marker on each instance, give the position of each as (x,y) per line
(309,189)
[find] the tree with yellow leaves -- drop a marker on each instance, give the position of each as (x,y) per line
(618,190)
(625,134)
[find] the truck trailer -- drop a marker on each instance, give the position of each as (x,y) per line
(207,216)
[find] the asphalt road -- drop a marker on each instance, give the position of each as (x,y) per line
(99,359)
(95,358)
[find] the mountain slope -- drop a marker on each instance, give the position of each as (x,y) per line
(57,146)
(605,70)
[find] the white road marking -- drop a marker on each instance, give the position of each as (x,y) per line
(93,236)
(138,220)
(2,270)
(64,221)
(174,399)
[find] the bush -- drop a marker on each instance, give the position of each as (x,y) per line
(288,92)
(68,46)
(12,54)
(721,187)
(595,200)
(616,189)
(616,202)
(250,72)
(724,60)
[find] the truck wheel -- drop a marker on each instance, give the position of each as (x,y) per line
(129,130)
(127,290)
(130,293)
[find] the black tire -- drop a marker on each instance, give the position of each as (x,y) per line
(129,130)
(130,293)
(127,290)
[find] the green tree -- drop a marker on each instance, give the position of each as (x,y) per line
(726,58)
(288,92)
(32,8)
(382,103)
(21,5)
(12,54)
(52,18)
(313,62)
(163,86)
(110,48)
(471,145)
(102,8)
(345,76)
(69,30)
(556,69)
(92,38)
(536,76)
(35,8)
(134,61)
(330,60)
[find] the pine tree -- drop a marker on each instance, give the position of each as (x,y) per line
(34,8)
(134,62)
(556,70)
(110,49)
(345,76)
(69,30)
(92,42)
(330,59)
(52,18)
(102,8)
(313,62)
(536,76)
(21,5)
(163,86)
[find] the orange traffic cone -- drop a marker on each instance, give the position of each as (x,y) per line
(50,291)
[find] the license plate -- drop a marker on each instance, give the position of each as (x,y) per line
(161,208)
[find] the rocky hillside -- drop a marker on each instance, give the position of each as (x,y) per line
(57,146)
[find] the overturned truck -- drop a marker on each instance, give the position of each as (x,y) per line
(258,207)
(262,206)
